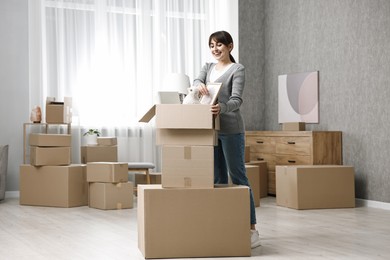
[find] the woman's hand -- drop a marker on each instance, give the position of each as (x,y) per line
(215,109)
(203,89)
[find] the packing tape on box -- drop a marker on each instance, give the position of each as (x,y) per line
(187,152)
(119,185)
(187,182)
(118,205)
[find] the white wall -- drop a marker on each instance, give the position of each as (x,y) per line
(14,78)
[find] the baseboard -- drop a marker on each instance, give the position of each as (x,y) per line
(359,202)
(372,204)
(11,194)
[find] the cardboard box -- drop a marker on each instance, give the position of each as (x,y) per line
(54,186)
(107,172)
(179,116)
(315,186)
(252,171)
(48,140)
(293,126)
(99,153)
(186,137)
(178,223)
(111,195)
(58,112)
(263,173)
(140,178)
(50,156)
(107,141)
(247,153)
(187,166)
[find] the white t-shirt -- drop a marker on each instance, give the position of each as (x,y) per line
(215,74)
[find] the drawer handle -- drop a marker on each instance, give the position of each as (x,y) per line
(259,142)
(291,161)
(291,142)
(260,159)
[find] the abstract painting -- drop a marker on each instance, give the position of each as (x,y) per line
(298,97)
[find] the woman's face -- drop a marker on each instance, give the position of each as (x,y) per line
(220,51)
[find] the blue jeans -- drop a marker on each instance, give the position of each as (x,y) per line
(229,156)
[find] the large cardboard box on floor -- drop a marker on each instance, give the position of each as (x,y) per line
(263,173)
(178,223)
(99,153)
(315,186)
(111,195)
(55,186)
(187,166)
(186,137)
(179,116)
(252,171)
(59,112)
(49,140)
(50,156)
(107,172)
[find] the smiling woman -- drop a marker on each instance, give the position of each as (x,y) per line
(103,53)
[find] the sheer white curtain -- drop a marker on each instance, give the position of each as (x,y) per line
(111,56)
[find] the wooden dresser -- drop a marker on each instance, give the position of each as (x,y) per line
(294,148)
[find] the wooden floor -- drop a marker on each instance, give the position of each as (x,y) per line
(85,233)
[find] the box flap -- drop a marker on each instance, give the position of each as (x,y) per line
(148,115)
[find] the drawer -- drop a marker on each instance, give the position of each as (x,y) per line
(293,145)
(269,158)
(261,144)
(293,159)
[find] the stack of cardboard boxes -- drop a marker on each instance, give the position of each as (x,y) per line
(187,216)
(109,187)
(106,150)
(50,179)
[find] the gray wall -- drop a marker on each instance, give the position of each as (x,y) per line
(348,43)
(14,78)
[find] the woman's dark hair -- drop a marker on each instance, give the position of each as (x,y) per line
(223,37)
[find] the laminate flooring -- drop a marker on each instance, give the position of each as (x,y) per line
(28,232)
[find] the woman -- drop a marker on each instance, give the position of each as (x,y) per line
(229,154)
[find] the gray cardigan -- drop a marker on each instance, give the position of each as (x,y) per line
(230,96)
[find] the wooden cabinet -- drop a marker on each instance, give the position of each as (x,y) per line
(294,148)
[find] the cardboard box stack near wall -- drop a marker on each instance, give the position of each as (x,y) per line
(187,134)
(315,186)
(50,179)
(109,187)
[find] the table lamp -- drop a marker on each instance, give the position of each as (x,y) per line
(179,82)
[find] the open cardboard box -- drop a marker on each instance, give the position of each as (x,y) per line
(179,116)
(58,112)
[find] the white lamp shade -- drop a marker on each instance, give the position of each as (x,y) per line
(176,82)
